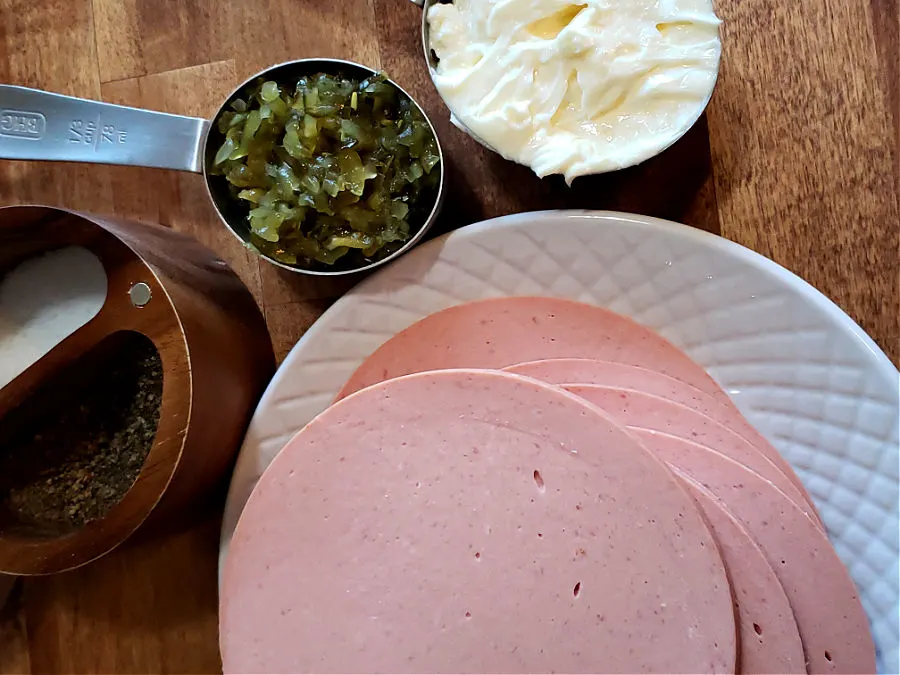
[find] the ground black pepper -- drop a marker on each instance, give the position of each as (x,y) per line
(81,457)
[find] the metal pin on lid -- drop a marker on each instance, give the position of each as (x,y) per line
(140,294)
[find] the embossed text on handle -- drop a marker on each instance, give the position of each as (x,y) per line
(40,125)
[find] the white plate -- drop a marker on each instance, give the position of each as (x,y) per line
(801,370)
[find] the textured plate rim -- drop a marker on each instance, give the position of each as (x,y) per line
(704,239)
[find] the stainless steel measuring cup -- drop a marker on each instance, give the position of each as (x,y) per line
(431,59)
(40,125)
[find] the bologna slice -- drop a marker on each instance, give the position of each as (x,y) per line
(769,638)
(593,371)
(471,521)
(504,331)
(641,410)
(833,626)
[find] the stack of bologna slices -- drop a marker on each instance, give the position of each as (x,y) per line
(535,485)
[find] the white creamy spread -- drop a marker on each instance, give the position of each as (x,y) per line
(575,87)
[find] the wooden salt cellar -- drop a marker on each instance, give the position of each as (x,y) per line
(216,359)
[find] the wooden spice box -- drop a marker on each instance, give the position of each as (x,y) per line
(176,324)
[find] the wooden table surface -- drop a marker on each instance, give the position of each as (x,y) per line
(796,157)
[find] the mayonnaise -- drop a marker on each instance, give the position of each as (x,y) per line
(575,87)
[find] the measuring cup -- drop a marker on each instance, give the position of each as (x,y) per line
(39,125)
(431,59)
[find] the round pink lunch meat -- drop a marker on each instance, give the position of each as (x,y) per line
(504,331)
(641,410)
(471,522)
(769,638)
(833,626)
(610,374)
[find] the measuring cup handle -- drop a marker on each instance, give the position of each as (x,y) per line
(41,125)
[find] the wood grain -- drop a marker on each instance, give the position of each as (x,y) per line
(886,28)
(797,158)
(804,154)
(15,656)
(150,608)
